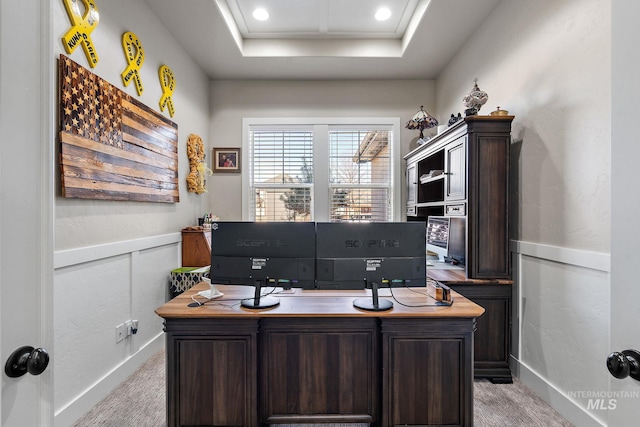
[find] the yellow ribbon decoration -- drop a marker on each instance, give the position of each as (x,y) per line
(82,27)
(168,84)
(134,54)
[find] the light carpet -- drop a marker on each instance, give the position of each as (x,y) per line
(140,401)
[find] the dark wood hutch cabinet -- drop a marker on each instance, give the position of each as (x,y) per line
(474,187)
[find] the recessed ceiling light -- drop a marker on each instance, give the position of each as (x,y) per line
(261,14)
(383,14)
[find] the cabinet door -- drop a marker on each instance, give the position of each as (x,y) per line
(492,337)
(488,213)
(211,372)
(215,383)
(456,167)
(412,186)
(427,372)
(318,369)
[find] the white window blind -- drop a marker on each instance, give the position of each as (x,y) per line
(281,174)
(321,169)
(360,175)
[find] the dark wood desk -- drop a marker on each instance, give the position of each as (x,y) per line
(316,358)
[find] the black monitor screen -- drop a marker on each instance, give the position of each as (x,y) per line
(272,253)
(438,236)
(438,231)
(350,255)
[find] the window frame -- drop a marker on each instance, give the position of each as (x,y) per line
(321,127)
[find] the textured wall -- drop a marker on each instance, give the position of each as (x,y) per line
(547,63)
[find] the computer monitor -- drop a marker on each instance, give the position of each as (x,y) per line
(263,254)
(370,255)
(438,236)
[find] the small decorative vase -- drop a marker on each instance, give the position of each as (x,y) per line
(474,100)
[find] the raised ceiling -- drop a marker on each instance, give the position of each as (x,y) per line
(322,39)
(320,18)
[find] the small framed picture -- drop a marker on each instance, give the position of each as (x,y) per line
(226,160)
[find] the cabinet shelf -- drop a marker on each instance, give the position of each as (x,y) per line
(429,204)
(429,179)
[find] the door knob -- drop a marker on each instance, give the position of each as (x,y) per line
(624,364)
(26,359)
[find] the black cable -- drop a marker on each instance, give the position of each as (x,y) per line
(218,301)
(273,291)
(437,304)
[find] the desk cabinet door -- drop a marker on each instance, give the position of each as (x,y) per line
(492,339)
(214,383)
(211,372)
(428,374)
(314,370)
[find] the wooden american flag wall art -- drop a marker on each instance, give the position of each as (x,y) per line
(113,147)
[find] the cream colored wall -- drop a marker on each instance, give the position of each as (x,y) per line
(233,100)
(81,222)
(548,63)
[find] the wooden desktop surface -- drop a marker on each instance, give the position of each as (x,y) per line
(459,277)
(316,303)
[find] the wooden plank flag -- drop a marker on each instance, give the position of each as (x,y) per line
(113,147)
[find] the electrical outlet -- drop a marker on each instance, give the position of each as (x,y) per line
(128,325)
(121,332)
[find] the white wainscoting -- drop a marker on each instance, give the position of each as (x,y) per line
(561,323)
(95,289)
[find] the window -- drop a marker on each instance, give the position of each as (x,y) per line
(321,170)
(281,168)
(360,175)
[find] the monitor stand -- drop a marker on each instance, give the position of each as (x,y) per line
(431,262)
(375,303)
(259,301)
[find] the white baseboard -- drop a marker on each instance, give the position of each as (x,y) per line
(568,408)
(68,415)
